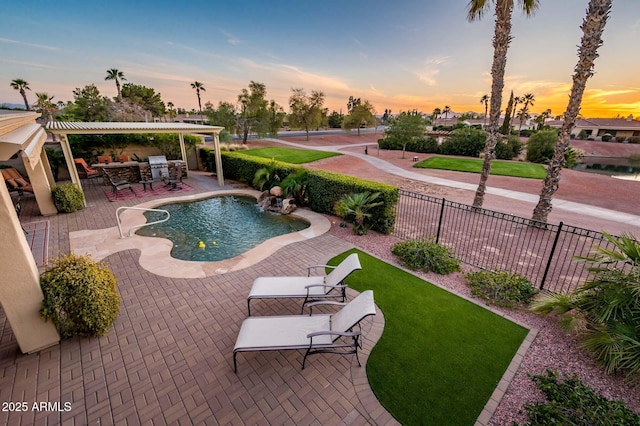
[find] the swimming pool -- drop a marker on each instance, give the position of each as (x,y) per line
(218,228)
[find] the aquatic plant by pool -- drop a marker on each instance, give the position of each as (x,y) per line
(226,225)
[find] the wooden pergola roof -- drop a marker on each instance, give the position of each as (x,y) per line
(88,128)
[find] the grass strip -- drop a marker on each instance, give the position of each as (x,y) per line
(290,155)
(472,165)
(440,356)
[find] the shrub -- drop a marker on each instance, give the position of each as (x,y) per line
(509,149)
(356,207)
(621,139)
(424,145)
(583,134)
(572,402)
(527,132)
(80,296)
(541,145)
(464,142)
(67,198)
(634,139)
(427,256)
(501,288)
(604,310)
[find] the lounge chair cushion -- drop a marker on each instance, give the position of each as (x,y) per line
(283,332)
(12,183)
(22,182)
(276,287)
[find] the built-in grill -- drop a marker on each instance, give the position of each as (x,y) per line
(159,167)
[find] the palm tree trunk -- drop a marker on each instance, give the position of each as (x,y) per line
(501,40)
(118,87)
(24,96)
(592,28)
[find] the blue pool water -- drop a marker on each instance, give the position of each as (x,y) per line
(235,223)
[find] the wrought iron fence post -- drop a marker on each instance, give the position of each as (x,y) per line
(440,221)
(553,250)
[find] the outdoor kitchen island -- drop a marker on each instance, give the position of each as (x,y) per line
(134,171)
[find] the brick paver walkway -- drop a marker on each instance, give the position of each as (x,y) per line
(168,357)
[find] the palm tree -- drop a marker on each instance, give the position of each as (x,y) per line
(45,106)
(523,115)
(172,112)
(592,29)
(528,100)
(446,110)
(501,40)
(516,101)
(485,100)
(436,113)
(21,85)
(114,74)
(199,88)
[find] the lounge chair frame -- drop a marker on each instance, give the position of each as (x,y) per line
(308,288)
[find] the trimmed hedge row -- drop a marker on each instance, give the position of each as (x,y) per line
(324,189)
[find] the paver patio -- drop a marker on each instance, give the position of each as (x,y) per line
(168,357)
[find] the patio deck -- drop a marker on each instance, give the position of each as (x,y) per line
(167,359)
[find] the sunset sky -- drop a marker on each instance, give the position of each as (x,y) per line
(399,55)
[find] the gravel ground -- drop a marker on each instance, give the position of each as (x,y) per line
(552,348)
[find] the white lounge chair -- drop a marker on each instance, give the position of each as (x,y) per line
(309,287)
(321,333)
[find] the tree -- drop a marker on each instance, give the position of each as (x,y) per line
(114,74)
(523,115)
(542,118)
(275,118)
(199,88)
(89,105)
(352,103)
(224,116)
(252,110)
(516,101)
(21,85)
(592,29)
(360,115)
(528,100)
(406,127)
(145,97)
(505,129)
(485,100)
(171,110)
(386,116)
(435,114)
(45,106)
(335,120)
(306,111)
(501,40)
(446,110)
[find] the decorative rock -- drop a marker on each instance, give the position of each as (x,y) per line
(288,206)
(265,194)
(276,190)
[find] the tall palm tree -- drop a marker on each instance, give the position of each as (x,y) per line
(45,106)
(485,100)
(114,74)
(523,115)
(501,40)
(446,110)
(436,113)
(528,100)
(21,85)
(172,111)
(199,88)
(516,101)
(592,29)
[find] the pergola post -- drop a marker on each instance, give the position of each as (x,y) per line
(219,173)
(71,165)
(183,150)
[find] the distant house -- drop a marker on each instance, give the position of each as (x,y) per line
(515,123)
(191,118)
(597,127)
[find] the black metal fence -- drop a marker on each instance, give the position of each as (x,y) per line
(544,253)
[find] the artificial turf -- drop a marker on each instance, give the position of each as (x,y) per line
(472,165)
(290,155)
(440,356)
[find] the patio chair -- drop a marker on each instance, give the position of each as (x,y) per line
(123,158)
(316,334)
(106,159)
(84,171)
(309,287)
(174,179)
(15,181)
(118,185)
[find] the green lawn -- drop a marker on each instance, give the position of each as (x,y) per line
(502,168)
(440,357)
(290,155)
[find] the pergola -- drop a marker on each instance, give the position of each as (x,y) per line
(20,293)
(64,128)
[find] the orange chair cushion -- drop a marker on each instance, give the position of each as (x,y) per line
(12,183)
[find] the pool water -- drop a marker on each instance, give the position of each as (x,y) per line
(226,225)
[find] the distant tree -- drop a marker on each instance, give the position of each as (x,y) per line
(406,127)
(352,103)
(386,116)
(446,110)
(436,113)
(89,105)
(171,111)
(516,101)
(335,120)
(592,29)
(306,112)
(45,106)
(485,100)
(276,116)
(528,100)
(224,116)
(501,40)
(542,118)
(145,97)
(21,85)
(252,115)
(505,129)
(114,74)
(523,115)
(199,88)
(360,115)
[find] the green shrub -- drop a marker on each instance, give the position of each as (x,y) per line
(427,256)
(509,149)
(356,207)
(527,132)
(501,288)
(424,145)
(67,198)
(634,139)
(465,142)
(80,296)
(583,134)
(541,145)
(572,402)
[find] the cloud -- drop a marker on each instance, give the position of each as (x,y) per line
(231,39)
(37,46)
(431,69)
(30,64)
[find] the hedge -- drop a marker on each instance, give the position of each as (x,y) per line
(324,189)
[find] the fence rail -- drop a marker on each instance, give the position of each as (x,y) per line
(544,253)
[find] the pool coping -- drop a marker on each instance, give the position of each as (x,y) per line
(155,252)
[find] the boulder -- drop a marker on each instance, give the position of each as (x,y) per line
(288,206)
(276,190)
